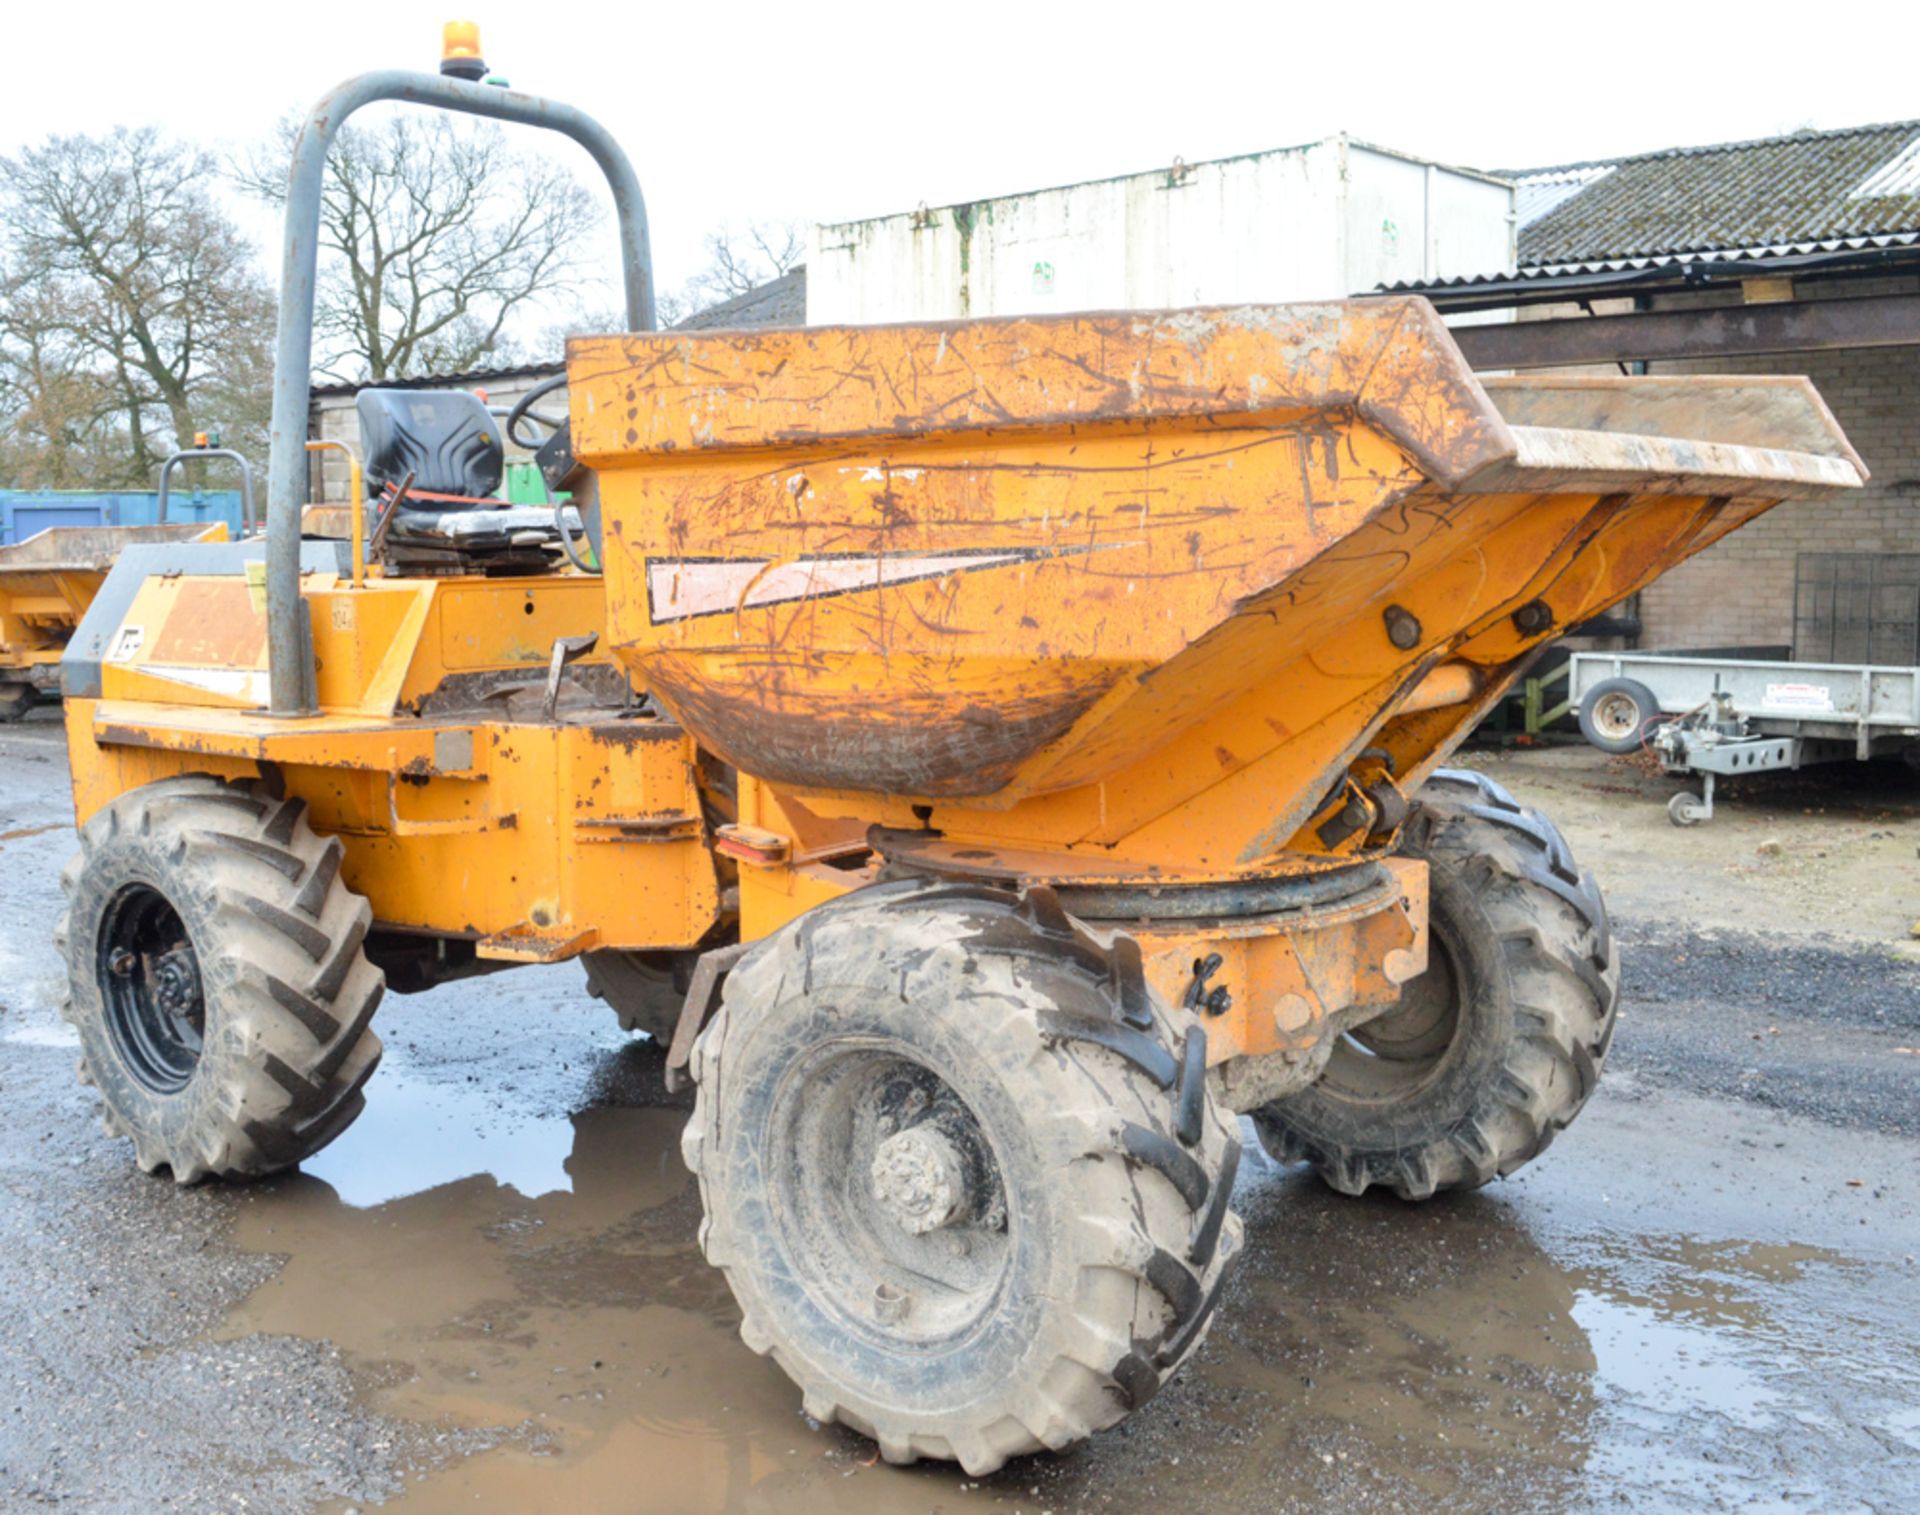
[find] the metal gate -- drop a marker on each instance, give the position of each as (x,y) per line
(1856,607)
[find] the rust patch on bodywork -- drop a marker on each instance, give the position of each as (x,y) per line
(224,630)
(849,741)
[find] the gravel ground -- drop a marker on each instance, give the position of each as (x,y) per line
(1814,1030)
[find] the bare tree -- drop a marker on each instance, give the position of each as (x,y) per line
(131,309)
(737,262)
(433,235)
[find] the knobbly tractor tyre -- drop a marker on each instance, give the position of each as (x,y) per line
(217,979)
(639,987)
(1497,1046)
(961,1170)
(16,700)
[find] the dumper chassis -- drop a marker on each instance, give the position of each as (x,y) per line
(989,755)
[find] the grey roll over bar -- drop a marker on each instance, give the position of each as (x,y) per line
(289,635)
(249,522)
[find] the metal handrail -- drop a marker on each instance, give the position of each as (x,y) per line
(356,501)
(290,670)
(249,522)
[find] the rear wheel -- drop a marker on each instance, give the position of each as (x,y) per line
(16,700)
(1497,1046)
(639,987)
(216,978)
(961,1170)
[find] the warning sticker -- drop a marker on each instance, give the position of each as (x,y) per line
(126,644)
(1810,697)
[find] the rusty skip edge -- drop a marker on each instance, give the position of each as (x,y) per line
(1390,360)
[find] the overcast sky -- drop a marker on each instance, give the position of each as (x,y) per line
(835,111)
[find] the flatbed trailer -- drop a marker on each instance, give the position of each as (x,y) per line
(1732,715)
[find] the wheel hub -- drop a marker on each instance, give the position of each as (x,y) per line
(895,1210)
(176,982)
(1617,715)
(920,1181)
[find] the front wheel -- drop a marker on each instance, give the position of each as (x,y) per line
(962,1171)
(1496,1047)
(1687,809)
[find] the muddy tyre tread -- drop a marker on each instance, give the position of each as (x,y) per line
(1553,930)
(290,992)
(641,994)
(16,700)
(1114,1062)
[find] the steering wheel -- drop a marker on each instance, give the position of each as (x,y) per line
(523,412)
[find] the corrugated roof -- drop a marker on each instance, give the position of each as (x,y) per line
(778,302)
(1806,196)
(1810,189)
(464,380)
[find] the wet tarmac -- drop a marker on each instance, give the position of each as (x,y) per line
(487,1293)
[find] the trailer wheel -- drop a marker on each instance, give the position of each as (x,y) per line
(1687,809)
(1497,1046)
(16,700)
(961,1170)
(216,977)
(1615,713)
(639,987)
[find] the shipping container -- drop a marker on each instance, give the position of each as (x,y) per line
(27,512)
(1324,221)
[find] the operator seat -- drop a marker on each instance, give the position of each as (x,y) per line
(449,520)
(444,436)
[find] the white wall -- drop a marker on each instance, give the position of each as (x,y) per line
(1317,222)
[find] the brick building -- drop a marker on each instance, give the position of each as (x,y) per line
(1788,255)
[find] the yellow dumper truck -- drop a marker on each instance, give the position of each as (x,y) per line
(46,584)
(991,755)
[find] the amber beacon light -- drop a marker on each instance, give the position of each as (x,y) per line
(460,50)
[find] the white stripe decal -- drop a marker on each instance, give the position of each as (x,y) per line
(680,590)
(235,683)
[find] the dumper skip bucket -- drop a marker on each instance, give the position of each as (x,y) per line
(1098,567)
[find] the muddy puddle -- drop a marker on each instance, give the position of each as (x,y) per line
(531,1285)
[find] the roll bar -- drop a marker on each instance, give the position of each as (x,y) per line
(249,522)
(290,672)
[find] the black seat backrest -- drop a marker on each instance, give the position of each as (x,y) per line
(445,436)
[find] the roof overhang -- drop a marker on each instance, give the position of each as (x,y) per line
(1689,335)
(1880,256)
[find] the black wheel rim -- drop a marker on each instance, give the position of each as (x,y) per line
(149,979)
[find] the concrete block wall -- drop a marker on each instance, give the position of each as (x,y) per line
(1740,591)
